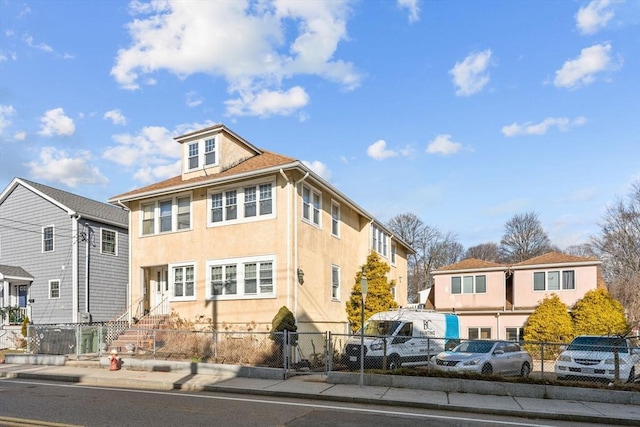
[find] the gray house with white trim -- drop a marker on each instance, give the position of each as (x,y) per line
(63,258)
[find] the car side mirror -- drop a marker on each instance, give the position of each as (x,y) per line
(498,352)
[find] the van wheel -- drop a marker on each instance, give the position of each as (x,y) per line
(525,370)
(487,369)
(632,375)
(394,362)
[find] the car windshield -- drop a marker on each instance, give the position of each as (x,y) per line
(474,347)
(606,344)
(380,327)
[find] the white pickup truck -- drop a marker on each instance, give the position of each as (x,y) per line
(596,356)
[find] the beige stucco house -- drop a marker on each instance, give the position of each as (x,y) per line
(494,300)
(244,231)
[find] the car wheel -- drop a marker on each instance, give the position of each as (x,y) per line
(525,370)
(394,362)
(632,375)
(487,369)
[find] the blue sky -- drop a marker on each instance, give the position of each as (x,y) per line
(463,113)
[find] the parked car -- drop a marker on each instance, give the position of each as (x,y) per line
(486,357)
(594,357)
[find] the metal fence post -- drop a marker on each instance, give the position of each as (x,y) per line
(154,344)
(29,332)
(329,346)
(542,358)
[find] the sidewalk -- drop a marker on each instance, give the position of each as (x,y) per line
(316,387)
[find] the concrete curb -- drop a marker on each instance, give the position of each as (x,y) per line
(494,388)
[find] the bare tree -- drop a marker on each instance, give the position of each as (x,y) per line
(410,229)
(618,247)
(584,250)
(484,251)
(524,238)
(433,248)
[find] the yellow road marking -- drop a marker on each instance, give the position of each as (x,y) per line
(22,422)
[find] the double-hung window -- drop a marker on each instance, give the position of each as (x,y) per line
(54,289)
(246,203)
(311,203)
(335,219)
(47,239)
(167,215)
(379,240)
(210,152)
(554,280)
(241,278)
(183,281)
(479,333)
(469,284)
(335,282)
(108,242)
(193,157)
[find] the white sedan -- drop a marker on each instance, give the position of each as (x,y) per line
(486,357)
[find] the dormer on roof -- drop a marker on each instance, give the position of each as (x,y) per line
(213,150)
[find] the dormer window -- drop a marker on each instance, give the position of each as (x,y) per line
(193,155)
(210,152)
(202,153)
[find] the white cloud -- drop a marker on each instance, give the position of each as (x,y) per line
(319,168)
(528,128)
(152,151)
(56,166)
(243,42)
(153,145)
(413,7)
(595,16)
(116,117)
(442,144)
(192,99)
(266,103)
(5,56)
(582,70)
(55,122)
(471,75)
(378,150)
(28,39)
(6,112)
(20,135)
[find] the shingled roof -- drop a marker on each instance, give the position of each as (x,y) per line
(79,204)
(470,264)
(555,258)
(264,160)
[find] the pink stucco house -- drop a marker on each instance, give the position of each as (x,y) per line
(494,300)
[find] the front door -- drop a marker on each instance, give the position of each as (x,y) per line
(22,295)
(160,291)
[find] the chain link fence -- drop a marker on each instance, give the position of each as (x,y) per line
(615,360)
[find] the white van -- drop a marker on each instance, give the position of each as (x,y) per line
(404,337)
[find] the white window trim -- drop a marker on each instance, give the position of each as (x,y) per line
(394,253)
(462,292)
(59,288)
(380,246)
(338,288)
(115,249)
(53,238)
(479,330)
(309,220)
(171,278)
(239,263)
(174,214)
(337,220)
(201,153)
(560,279)
(240,203)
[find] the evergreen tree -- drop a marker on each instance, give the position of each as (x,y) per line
(378,296)
(598,313)
(550,322)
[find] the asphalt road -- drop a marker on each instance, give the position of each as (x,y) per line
(30,403)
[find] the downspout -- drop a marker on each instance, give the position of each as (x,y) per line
(86,268)
(288,237)
(295,247)
(74,267)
